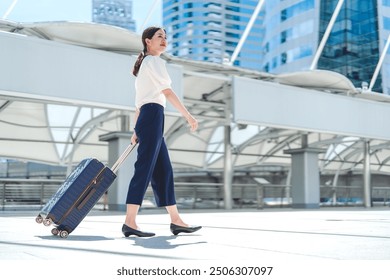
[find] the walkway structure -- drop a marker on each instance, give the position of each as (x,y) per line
(66,88)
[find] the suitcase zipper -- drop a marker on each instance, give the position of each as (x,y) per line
(87,193)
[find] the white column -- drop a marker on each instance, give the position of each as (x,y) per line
(228,170)
(305,177)
(367,175)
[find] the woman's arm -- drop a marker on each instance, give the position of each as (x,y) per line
(175,101)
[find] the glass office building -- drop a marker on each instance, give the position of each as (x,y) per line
(353,47)
(384,33)
(285,36)
(118,13)
(294,29)
(211,30)
(290,40)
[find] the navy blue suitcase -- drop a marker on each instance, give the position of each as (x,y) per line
(79,193)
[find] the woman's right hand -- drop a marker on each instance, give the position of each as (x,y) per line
(134,139)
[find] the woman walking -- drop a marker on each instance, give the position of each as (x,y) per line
(153,165)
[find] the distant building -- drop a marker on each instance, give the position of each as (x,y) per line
(118,13)
(211,30)
(294,29)
(285,36)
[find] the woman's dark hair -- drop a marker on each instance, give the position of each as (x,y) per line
(147,34)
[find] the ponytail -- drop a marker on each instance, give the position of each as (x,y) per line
(137,64)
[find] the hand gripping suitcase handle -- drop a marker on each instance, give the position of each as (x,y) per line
(123,157)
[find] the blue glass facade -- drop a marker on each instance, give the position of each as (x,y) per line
(296,9)
(285,36)
(287,24)
(386,23)
(295,28)
(353,46)
(211,30)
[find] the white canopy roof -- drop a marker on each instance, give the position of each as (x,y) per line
(41,131)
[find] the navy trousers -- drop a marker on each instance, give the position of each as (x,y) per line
(153,164)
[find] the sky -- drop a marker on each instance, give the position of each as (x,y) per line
(74,10)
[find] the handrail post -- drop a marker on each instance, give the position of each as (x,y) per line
(42,191)
(3,208)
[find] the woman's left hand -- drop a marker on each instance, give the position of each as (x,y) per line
(192,122)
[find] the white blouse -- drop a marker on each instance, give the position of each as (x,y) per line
(151,80)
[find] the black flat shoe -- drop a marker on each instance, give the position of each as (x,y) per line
(175,229)
(127,231)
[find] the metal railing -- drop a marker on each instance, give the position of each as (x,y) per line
(24,192)
(353,195)
(211,195)
(36,192)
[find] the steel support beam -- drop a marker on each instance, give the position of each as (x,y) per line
(246,32)
(379,65)
(326,35)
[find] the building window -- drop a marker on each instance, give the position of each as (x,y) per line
(274,62)
(266,68)
(232,17)
(283,15)
(232,35)
(283,58)
(296,9)
(386,22)
(283,37)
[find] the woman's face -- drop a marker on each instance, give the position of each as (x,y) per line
(158,43)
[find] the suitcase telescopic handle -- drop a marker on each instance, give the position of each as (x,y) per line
(123,157)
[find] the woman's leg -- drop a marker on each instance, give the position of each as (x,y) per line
(177,224)
(175,216)
(163,185)
(131,214)
(149,134)
(164,191)
(162,178)
(130,226)
(147,152)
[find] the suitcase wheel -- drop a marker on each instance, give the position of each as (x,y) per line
(55,231)
(39,219)
(64,234)
(47,222)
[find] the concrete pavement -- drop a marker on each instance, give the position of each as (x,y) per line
(240,237)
